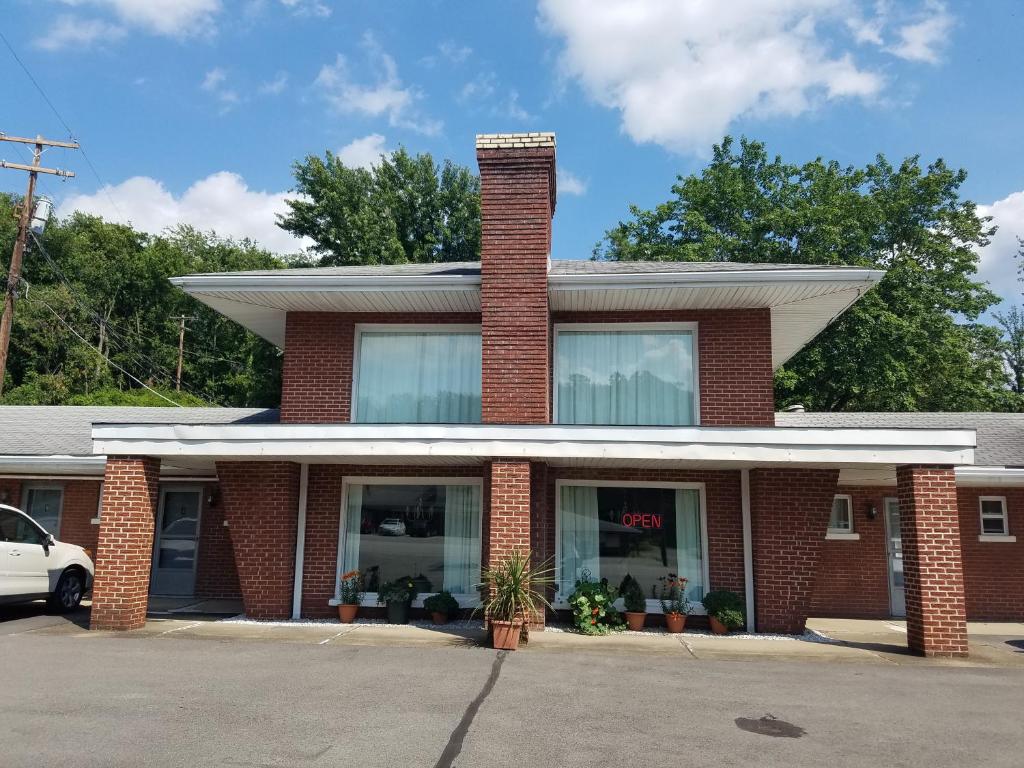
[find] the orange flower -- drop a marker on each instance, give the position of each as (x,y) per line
(349,575)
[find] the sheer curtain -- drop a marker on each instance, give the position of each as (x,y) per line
(625,377)
(461,538)
(353,520)
(688,542)
(414,377)
(579,525)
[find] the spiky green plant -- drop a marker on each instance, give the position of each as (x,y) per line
(514,589)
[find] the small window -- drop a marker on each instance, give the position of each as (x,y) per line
(993,516)
(43,504)
(841,520)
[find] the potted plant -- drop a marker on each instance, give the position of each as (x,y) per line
(350,595)
(674,604)
(592,609)
(725,611)
(635,603)
(441,606)
(511,596)
(398,595)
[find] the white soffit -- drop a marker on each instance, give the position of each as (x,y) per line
(373,443)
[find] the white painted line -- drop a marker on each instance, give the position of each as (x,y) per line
(897,628)
(175,629)
(345,631)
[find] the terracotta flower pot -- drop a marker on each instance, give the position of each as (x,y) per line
(439,618)
(635,620)
(506,634)
(675,622)
(718,627)
(347,613)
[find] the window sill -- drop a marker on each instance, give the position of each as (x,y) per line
(997,537)
(95,521)
(842,536)
(370,600)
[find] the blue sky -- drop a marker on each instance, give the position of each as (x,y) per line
(193,110)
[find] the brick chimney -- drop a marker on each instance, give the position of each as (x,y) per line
(517,190)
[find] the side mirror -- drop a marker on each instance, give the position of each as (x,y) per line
(49,541)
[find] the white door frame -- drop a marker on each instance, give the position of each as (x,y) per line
(889,558)
(158,533)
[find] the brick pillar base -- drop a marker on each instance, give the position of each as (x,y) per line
(261,505)
(932,569)
(789,509)
(508,516)
(124,554)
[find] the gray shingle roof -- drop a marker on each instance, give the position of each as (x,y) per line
(49,430)
(1000,435)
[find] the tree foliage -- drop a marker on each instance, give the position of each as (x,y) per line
(96,306)
(912,343)
(405,209)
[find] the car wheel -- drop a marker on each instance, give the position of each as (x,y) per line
(68,594)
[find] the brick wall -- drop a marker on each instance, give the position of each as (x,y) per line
(260,502)
(853,576)
(993,571)
(790,509)
(734,349)
(81,503)
(216,575)
(124,555)
(517,203)
(319,351)
(936,614)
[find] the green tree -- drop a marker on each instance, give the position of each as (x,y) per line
(901,347)
(1012,323)
(405,209)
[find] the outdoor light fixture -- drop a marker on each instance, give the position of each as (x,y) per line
(213,497)
(872,511)
(4,496)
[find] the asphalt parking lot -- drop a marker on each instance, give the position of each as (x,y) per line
(197,693)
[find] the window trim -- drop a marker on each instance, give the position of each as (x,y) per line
(688,326)
(436,328)
(653,606)
(44,486)
(1004,516)
(842,534)
(99,506)
(465,601)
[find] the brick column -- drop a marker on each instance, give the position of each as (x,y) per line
(261,505)
(789,511)
(932,568)
(124,554)
(517,201)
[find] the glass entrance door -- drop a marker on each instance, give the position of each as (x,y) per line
(177,538)
(894,549)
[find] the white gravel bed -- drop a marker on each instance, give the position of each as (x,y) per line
(424,624)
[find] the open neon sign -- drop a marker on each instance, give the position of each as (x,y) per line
(642,520)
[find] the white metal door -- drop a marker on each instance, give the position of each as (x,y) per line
(894,550)
(176,542)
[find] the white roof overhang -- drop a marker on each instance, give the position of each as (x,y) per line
(802,301)
(78,467)
(708,447)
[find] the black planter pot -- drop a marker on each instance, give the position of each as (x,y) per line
(398,611)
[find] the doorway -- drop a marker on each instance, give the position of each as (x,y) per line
(894,551)
(176,542)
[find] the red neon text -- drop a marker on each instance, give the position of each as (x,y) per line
(638,520)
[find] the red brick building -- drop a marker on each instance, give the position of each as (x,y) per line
(614,417)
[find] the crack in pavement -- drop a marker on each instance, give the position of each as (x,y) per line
(455,741)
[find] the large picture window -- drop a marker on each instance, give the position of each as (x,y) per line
(640,375)
(647,532)
(427,530)
(407,375)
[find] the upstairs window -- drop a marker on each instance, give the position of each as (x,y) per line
(640,374)
(417,375)
(993,516)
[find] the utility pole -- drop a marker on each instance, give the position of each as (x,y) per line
(24,221)
(181,346)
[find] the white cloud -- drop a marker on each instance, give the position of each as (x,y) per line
(276,86)
(364,152)
(214,82)
(71,31)
(213,79)
(920,40)
(170,18)
(482,89)
(680,73)
(384,96)
(998,263)
(221,202)
(311,8)
(454,53)
(570,184)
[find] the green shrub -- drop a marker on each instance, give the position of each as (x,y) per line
(731,618)
(633,595)
(402,590)
(725,606)
(442,602)
(592,609)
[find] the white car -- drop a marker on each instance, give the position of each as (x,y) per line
(34,565)
(391,527)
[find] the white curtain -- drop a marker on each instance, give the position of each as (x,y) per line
(579,546)
(688,543)
(461,538)
(625,377)
(353,523)
(409,377)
